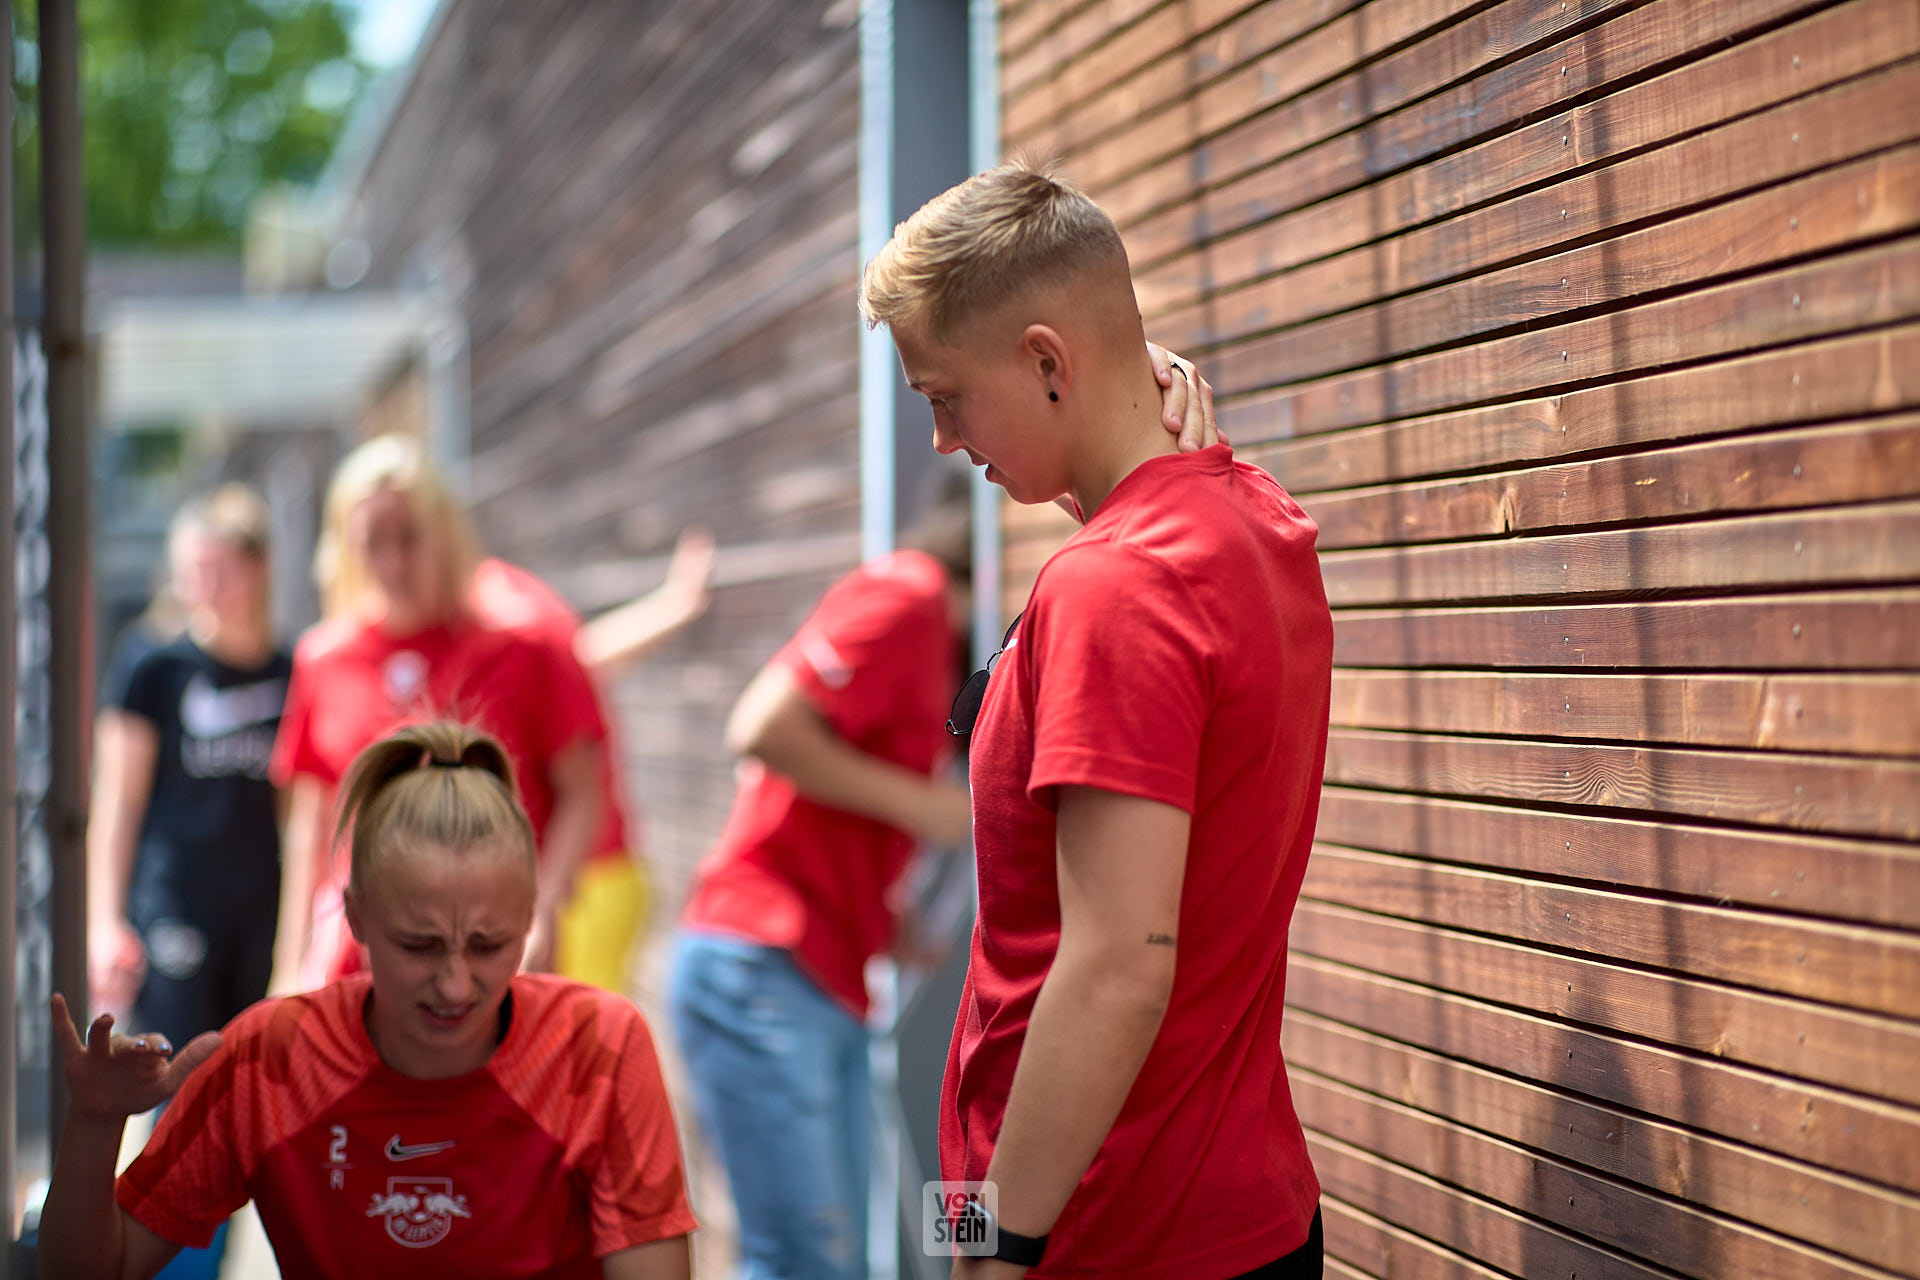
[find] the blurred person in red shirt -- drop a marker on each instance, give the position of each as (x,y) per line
(440,1114)
(400,643)
(840,734)
(1145,768)
(599,925)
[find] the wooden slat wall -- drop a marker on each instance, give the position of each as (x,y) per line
(652,207)
(1590,334)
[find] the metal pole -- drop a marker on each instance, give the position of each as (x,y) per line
(69,668)
(9,818)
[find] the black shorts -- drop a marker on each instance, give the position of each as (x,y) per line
(1304,1263)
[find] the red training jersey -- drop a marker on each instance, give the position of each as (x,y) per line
(354,684)
(508,597)
(558,1152)
(877,659)
(1177,648)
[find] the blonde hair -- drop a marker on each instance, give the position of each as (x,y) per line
(235,516)
(398,463)
(997,236)
(441,783)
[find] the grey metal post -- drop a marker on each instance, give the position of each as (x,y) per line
(70,663)
(9,820)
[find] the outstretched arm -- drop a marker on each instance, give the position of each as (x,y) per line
(84,1234)
(775,724)
(631,632)
(303,853)
(126,748)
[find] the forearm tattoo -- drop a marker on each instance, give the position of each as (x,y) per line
(1160,940)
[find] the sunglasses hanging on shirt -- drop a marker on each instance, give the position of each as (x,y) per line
(973,694)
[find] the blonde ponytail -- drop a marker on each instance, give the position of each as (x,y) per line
(441,783)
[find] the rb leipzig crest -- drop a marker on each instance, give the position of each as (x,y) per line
(419,1211)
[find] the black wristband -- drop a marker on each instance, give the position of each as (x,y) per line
(1009,1246)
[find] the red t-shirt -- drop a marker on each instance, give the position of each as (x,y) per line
(877,659)
(353,684)
(510,598)
(1177,648)
(559,1151)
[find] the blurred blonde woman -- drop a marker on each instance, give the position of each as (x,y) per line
(400,643)
(439,1115)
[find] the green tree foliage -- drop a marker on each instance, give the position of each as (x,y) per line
(189,108)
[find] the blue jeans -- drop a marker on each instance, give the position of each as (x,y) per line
(780,1081)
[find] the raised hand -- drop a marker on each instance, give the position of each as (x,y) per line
(112,1077)
(1181,409)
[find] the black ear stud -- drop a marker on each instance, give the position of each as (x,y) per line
(1054,396)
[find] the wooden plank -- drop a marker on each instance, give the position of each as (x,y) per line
(1278,50)
(1875,1141)
(1821,466)
(1799,793)
(1838,124)
(1260,114)
(1037,55)
(1873,882)
(1835,209)
(1040,122)
(1846,1215)
(1864,1053)
(1459,1221)
(1859,967)
(1166,52)
(1879,542)
(1810,382)
(1372,1246)
(1310,149)
(1827,630)
(1853,291)
(1875,715)
(1662,1231)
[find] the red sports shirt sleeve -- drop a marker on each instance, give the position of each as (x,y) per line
(1122,676)
(847,658)
(639,1193)
(189,1178)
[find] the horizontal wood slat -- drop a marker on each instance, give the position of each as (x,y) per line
(1862,1053)
(1876,543)
(1810,382)
(1474,1227)
(1823,466)
(1846,1215)
(1834,630)
(1849,715)
(1315,254)
(1876,1141)
(1854,291)
(1862,968)
(1801,793)
(1655,1228)
(1870,881)
(1371,1246)
(1310,149)
(1835,209)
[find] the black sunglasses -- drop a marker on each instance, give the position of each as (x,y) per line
(967,703)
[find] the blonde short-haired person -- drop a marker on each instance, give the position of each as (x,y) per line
(1145,769)
(442,1114)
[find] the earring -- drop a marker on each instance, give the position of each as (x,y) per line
(1053,395)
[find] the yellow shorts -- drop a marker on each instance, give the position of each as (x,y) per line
(599,926)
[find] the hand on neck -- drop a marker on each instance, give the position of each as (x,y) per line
(1117,426)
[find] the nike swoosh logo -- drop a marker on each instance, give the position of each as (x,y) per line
(397,1150)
